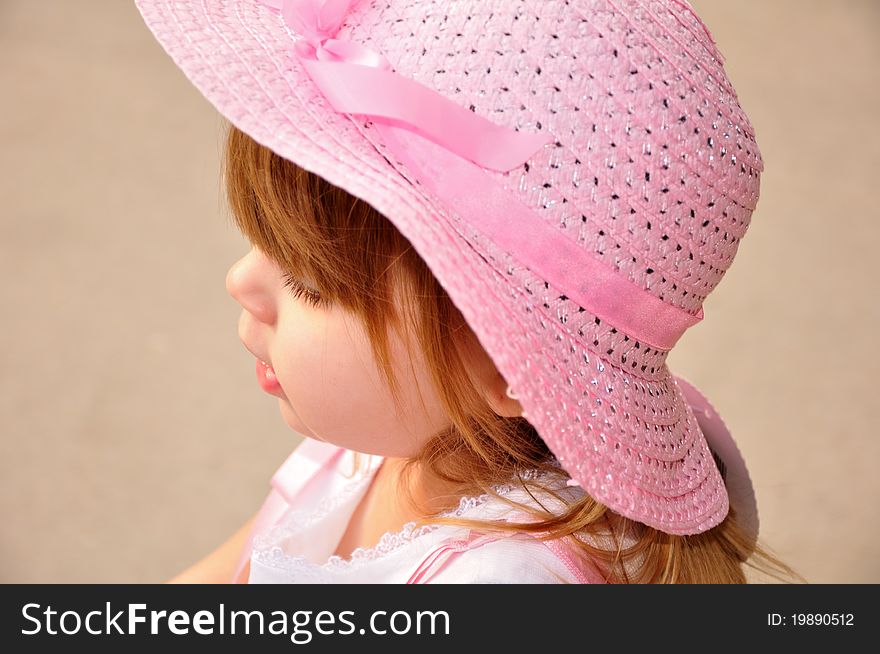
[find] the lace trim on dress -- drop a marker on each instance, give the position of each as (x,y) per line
(302,519)
(273,555)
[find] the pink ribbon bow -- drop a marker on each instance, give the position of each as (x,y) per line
(357,80)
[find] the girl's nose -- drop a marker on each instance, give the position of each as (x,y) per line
(249,282)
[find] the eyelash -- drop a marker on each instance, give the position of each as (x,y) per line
(297,289)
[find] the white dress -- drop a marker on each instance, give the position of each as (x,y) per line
(316,491)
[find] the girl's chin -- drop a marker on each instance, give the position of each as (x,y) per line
(292,419)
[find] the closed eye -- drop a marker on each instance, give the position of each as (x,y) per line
(298,289)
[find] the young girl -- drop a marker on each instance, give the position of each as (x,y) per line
(478,229)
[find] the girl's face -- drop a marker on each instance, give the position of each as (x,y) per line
(328,384)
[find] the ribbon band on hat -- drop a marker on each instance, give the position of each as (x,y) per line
(357,80)
(545,250)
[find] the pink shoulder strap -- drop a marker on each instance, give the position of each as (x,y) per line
(292,477)
(437,558)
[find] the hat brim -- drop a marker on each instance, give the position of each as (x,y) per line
(631,441)
(736,476)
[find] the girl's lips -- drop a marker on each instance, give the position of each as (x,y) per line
(267,379)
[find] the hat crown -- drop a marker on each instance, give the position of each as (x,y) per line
(655,170)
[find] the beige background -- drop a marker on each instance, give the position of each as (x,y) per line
(133,436)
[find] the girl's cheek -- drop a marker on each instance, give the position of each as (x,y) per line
(334,385)
(303,378)
(336,390)
(317,369)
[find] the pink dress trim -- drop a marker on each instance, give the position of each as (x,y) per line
(294,476)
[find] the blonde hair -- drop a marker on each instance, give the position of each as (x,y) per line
(362,263)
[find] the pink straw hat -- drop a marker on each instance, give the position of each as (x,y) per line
(577,174)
